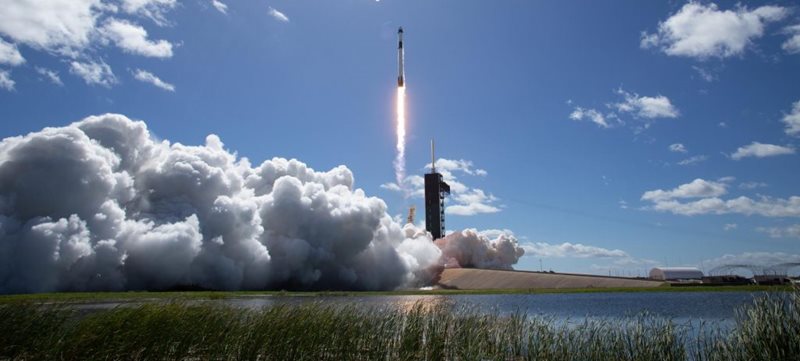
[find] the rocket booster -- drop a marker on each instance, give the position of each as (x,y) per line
(401,75)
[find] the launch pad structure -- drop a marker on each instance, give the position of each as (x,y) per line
(435,191)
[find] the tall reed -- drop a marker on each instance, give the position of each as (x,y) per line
(769,329)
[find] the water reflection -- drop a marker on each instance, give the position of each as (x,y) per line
(681,307)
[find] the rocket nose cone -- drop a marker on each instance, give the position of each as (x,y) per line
(400,30)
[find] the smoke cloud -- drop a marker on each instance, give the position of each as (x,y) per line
(102,204)
(473,249)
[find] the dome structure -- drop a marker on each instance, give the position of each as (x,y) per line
(676,273)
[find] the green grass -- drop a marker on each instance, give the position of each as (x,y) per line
(77,297)
(768,329)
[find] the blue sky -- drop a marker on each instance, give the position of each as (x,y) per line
(577,113)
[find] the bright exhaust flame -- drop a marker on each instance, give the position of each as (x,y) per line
(400,161)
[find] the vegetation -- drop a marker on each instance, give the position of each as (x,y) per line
(769,329)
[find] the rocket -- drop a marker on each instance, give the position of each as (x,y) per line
(401,75)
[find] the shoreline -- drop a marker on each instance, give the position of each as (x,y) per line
(79,297)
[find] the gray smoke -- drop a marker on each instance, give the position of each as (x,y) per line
(101,204)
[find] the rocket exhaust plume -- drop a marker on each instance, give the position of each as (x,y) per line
(400,160)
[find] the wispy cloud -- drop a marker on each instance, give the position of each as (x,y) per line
(9,54)
(220,6)
(693,160)
(569,250)
(148,77)
(792,45)
(707,195)
(94,72)
(678,148)
(50,75)
(792,231)
(648,107)
(278,15)
(761,150)
(5,80)
(792,120)
(589,114)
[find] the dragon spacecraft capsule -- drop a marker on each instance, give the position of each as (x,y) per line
(401,75)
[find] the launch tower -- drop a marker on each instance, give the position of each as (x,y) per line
(435,191)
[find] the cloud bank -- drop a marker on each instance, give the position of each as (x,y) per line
(704,197)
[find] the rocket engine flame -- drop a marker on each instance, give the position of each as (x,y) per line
(400,160)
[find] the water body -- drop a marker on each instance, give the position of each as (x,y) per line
(678,306)
(681,307)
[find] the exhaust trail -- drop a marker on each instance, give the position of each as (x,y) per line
(400,160)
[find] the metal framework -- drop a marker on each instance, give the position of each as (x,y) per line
(436,189)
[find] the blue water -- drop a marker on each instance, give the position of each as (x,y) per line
(678,306)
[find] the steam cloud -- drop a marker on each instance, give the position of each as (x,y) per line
(472,249)
(103,205)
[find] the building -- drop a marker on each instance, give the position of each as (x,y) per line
(435,191)
(676,274)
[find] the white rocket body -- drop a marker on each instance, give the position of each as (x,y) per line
(401,74)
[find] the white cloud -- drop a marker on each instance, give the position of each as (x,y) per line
(693,160)
(792,231)
(722,125)
(472,202)
(752,185)
(9,54)
(5,80)
(278,15)
(462,165)
(704,74)
(148,77)
(463,200)
(698,188)
(703,31)
(761,150)
(764,206)
(730,226)
(153,9)
(59,26)
(792,45)
(589,114)
(391,186)
(646,107)
(220,6)
(792,120)
(570,250)
(710,203)
(678,148)
(133,39)
(94,73)
(51,75)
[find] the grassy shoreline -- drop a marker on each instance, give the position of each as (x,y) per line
(767,329)
(78,297)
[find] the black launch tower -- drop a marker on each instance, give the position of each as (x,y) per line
(435,191)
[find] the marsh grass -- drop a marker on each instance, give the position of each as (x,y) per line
(768,329)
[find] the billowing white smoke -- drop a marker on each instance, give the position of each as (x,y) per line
(102,205)
(472,249)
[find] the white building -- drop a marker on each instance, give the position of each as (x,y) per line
(676,273)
